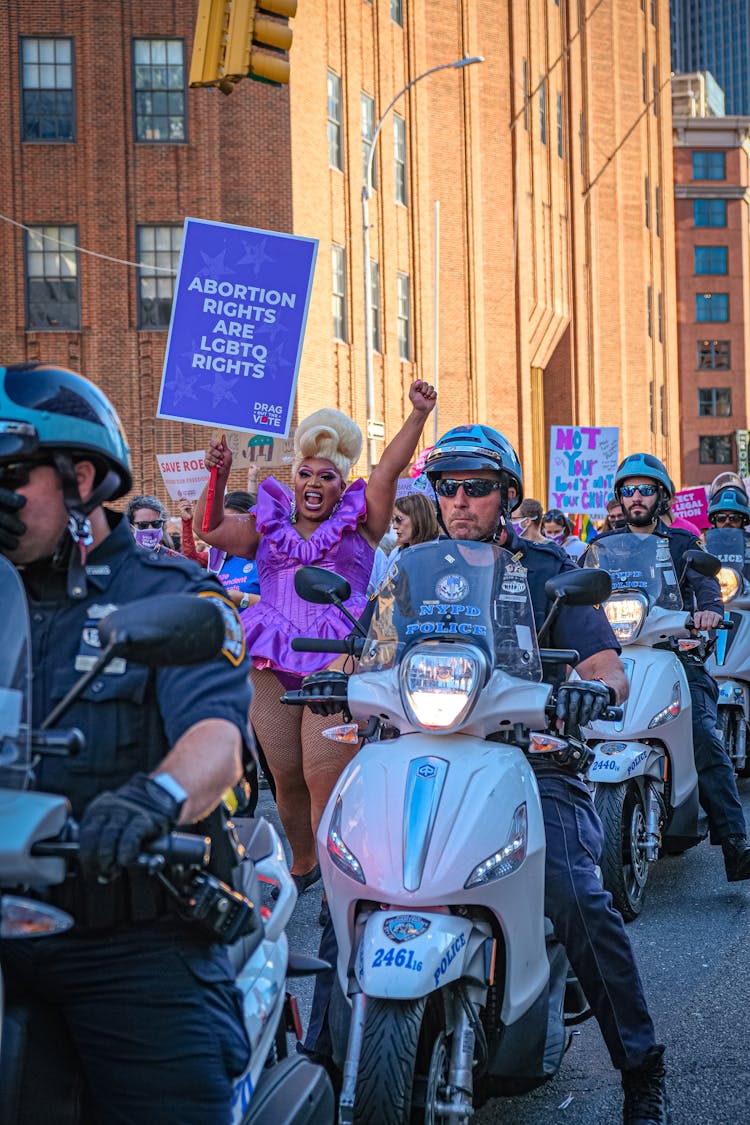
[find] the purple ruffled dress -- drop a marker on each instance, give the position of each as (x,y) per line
(281,614)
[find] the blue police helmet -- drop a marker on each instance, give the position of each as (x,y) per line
(643,465)
(730,500)
(476,447)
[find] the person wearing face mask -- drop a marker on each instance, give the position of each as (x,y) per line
(615,519)
(148,517)
(645,490)
(321,522)
(557,527)
(528,521)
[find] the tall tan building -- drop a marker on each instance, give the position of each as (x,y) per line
(521,249)
(712,190)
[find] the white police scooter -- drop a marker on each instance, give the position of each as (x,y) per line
(432,844)
(729,664)
(643,773)
(36,848)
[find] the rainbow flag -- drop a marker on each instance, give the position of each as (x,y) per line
(584,527)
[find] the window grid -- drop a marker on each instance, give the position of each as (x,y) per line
(159,80)
(47,90)
(338,292)
(399,158)
(715,449)
(711,307)
(367,104)
(714,355)
(711,259)
(335,145)
(157,246)
(709,212)
(375,305)
(52,297)
(714,402)
(404,317)
(709,165)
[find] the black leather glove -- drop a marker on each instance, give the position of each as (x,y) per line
(582,702)
(116,825)
(327,689)
(11,528)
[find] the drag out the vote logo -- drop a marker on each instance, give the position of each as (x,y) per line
(266,414)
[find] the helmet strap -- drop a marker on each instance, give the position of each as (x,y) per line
(72,550)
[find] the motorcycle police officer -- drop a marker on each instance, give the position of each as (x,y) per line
(644,488)
(478,484)
(148,1000)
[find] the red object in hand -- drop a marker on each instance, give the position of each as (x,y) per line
(209,500)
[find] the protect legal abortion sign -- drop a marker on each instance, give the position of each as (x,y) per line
(238,321)
(582,465)
(184,474)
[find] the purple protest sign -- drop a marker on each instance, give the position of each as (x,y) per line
(238,322)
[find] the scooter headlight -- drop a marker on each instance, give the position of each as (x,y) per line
(344,859)
(440,684)
(671,711)
(626,613)
(729,580)
(508,858)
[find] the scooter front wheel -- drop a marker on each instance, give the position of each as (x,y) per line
(624,864)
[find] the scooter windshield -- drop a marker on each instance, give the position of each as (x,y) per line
(640,563)
(729,545)
(455,590)
(15,681)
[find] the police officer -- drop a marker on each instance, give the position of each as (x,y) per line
(645,490)
(478,484)
(148,1000)
(729,507)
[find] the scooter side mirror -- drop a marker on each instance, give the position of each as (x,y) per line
(580,587)
(707,565)
(321,586)
(176,629)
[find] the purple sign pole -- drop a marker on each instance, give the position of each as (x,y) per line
(238,321)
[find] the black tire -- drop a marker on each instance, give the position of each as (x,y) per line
(388,1061)
(624,868)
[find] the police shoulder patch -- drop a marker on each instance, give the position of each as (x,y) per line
(234,635)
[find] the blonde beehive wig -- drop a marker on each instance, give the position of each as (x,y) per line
(329,434)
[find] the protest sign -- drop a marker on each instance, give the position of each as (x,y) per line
(691,504)
(184,474)
(264,452)
(238,321)
(583,462)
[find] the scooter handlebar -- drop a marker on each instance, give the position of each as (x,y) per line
(349,646)
(177,848)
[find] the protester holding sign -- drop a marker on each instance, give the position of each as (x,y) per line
(321,522)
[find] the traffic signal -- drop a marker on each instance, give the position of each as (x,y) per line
(237,39)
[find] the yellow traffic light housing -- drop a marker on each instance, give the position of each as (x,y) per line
(237,39)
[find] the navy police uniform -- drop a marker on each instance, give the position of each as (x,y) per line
(584,919)
(149,1002)
(717,787)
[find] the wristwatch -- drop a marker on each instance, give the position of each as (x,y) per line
(172,786)
(244,601)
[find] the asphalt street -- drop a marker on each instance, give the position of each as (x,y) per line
(693,947)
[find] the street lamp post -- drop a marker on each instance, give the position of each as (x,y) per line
(366,194)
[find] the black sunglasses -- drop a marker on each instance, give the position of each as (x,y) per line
(473,488)
(143,525)
(728,517)
(16,474)
(644,489)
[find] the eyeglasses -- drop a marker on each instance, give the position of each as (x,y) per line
(728,517)
(643,489)
(473,488)
(143,525)
(18,473)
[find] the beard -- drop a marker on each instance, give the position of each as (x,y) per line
(642,518)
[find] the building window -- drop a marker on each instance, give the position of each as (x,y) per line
(404,317)
(338,292)
(399,157)
(397,12)
(526,95)
(375,305)
(655,81)
(644,78)
(158,253)
(714,402)
(335,145)
(715,450)
(543,110)
(47,90)
(709,166)
(647,201)
(714,355)
(709,212)
(52,298)
(368,129)
(660,316)
(711,259)
(711,306)
(560,134)
(657,210)
(653,12)
(159,74)
(649,312)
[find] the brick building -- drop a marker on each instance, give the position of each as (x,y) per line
(548,165)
